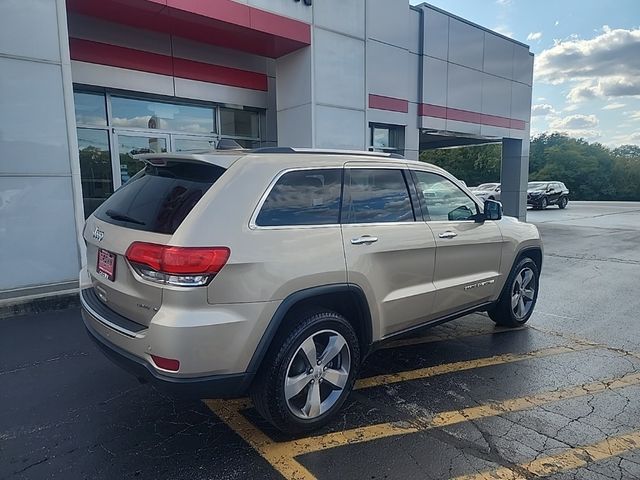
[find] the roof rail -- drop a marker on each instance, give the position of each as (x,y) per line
(319,151)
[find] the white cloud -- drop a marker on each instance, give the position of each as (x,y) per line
(503,30)
(613,106)
(504,3)
(557,23)
(607,65)
(542,109)
(533,36)
(633,115)
(575,122)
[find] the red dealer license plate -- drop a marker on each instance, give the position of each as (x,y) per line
(107,264)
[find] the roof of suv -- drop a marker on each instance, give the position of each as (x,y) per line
(225,158)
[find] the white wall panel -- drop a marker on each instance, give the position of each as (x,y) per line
(433,123)
(463,127)
(464,89)
(295,126)
(33,128)
(498,55)
(114,77)
(339,128)
(466,44)
(90,28)
(340,16)
(491,131)
(339,69)
(496,95)
(436,34)
(413,30)
(413,76)
(287,8)
(293,72)
(387,116)
(387,21)
(387,69)
(435,81)
(42,251)
(28,28)
(412,134)
(220,93)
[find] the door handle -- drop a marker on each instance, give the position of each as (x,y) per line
(448,234)
(364,240)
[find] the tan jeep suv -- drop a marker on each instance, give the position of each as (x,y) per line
(274,272)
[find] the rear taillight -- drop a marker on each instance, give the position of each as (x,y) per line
(179,266)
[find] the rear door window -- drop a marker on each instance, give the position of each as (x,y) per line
(159,197)
(376,196)
(303,197)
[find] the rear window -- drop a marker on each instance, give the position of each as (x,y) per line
(158,198)
(303,197)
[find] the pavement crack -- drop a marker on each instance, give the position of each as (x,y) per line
(45,459)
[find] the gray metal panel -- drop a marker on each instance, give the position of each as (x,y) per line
(28,28)
(464,89)
(340,16)
(466,44)
(498,56)
(90,28)
(295,126)
(436,33)
(339,69)
(435,81)
(496,96)
(414,31)
(42,251)
(520,101)
(522,65)
(220,93)
(288,8)
(293,72)
(121,78)
(201,52)
(33,127)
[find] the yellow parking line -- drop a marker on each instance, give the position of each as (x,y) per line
(439,337)
(382,430)
(279,458)
(568,460)
(387,379)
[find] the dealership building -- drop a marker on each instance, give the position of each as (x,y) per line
(87,84)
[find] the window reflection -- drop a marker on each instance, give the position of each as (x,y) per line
(129,145)
(90,108)
(133,113)
(240,123)
(95,168)
(443,200)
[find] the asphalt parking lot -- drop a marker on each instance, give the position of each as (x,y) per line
(559,398)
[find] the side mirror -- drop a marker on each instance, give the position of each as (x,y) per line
(492,210)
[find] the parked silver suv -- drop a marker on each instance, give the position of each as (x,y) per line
(275,272)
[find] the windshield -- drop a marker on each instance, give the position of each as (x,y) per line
(537,185)
(487,186)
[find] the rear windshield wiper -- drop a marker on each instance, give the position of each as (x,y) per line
(122,217)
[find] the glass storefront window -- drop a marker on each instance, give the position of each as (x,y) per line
(194,144)
(95,168)
(130,145)
(387,138)
(134,113)
(239,123)
(90,109)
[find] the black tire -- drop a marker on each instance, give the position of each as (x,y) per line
(544,203)
(268,391)
(562,203)
(502,313)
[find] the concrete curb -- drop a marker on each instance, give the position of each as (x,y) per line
(38,304)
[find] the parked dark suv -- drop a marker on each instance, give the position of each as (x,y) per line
(542,194)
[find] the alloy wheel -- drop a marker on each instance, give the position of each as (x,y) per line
(317,374)
(523,293)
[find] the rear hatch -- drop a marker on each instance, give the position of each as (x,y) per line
(148,209)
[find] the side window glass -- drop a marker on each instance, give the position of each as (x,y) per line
(303,197)
(376,195)
(442,199)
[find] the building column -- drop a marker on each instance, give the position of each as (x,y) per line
(514,175)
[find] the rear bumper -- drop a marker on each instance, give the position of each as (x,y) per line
(214,386)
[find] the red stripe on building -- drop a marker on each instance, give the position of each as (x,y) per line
(224,23)
(437,111)
(381,102)
(115,56)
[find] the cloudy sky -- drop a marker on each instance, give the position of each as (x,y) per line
(587,64)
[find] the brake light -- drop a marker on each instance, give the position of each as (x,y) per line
(166,363)
(180,266)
